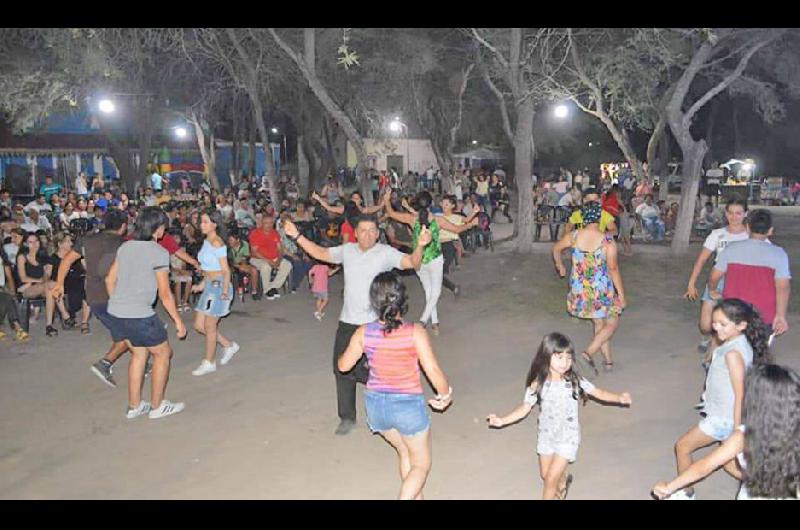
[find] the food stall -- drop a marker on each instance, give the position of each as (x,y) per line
(740,180)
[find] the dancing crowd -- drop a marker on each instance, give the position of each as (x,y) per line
(100,253)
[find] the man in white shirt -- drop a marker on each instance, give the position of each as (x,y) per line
(36,221)
(651,218)
(566,200)
(38,204)
(361,262)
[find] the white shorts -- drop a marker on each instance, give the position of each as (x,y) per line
(563,444)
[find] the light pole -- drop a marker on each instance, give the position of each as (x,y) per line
(397,126)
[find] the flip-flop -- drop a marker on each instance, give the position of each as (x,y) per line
(562,494)
(608,367)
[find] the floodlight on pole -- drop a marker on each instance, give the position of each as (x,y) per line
(274,130)
(106,106)
(561,111)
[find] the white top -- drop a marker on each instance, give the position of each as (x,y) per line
(360,268)
(565,200)
(720,238)
(38,207)
(645,210)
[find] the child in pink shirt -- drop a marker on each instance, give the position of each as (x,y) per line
(318,276)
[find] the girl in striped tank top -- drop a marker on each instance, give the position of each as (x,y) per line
(394,397)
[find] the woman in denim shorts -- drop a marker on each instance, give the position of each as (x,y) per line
(215,302)
(396,407)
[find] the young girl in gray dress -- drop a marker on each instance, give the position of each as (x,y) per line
(554,384)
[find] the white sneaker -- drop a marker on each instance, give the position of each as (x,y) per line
(167,408)
(318,315)
(205,368)
(228,353)
(679,495)
(143,408)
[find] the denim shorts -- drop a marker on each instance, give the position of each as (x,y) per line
(717,428)
(320,296)
(720,287)
(141,332)
(211,302)
(407,413)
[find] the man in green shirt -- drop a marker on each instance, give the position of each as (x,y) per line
(239,252)
(49,188)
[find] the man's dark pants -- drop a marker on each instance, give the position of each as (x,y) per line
(346,382)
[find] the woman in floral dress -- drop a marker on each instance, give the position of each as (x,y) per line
(596,291)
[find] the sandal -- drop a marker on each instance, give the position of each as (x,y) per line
(590,362)
(85,329)
(69,323)
(562,493)
(435,329)
(50,331)
(608,367)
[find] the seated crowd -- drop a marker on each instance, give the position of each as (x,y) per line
(37,235)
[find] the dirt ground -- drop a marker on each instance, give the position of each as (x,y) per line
(262,427)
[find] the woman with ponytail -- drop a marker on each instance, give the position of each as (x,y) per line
(394,397)
(743,340)
(431,273)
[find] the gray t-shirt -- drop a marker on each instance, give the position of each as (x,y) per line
(719,396)
(137,263)
(360,268)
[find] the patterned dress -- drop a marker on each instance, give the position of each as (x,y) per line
(591,290)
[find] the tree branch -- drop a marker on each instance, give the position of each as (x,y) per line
(495,51)
(722,85)
(499,95)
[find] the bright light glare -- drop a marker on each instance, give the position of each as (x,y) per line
(590,144)
(748,167)
(274,130)
(395,126)
(180,132)
(106,105)
(474,142)
(561,111)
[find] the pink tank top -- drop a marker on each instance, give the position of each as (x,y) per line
(393,360)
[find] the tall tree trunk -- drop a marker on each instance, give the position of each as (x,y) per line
(251,86)
(736,135)
(251,161)
(523,169)
(656,137)
(206,151)
(692,166)
(236,144)
(712,118)
(335,111)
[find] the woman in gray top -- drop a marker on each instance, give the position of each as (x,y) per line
(140,270)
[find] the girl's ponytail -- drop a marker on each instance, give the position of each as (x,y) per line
(388,298)
(757,333)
